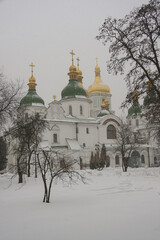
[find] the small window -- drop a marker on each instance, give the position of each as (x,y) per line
(129,122)
(137,123)
(142,159)
(81,110)
(117,160)
(55,137)
(87,130)
(111,132)
(84,144)
(70,110)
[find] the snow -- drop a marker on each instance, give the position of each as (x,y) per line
(112,206)
(73,144)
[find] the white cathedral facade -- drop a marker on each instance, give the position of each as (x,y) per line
(83,120)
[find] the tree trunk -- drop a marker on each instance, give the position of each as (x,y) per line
(47,192)
(124,164)
(28,172)
(20,176)
(35,167)
(29,164)
(19,171)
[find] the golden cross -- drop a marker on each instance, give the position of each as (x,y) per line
(32,66)
(54,97)
(72,53)
(78,62)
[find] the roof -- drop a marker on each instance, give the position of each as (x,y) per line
(32,98)
(73,144)
(72,90)
(134,109)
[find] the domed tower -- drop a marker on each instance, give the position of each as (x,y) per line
(32,102)
(73,89)
(135,109)
(74,100)
(104,108)
(98,92)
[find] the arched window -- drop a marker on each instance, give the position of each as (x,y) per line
(70,110)
(142,159)
(81,110)
(55,138)
(111,132)
(117,160)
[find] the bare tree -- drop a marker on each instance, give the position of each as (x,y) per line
(125,143)
(56,165)
(27,133)
(135,51)
(3,153)
(9,100)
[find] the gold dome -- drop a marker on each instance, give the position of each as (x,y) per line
(97,68)
(79,72)
(72,68)
(97,86)
(32,81)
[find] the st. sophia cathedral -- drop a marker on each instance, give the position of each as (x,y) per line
(83,120)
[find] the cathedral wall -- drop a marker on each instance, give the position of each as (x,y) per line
(63,130)
(80,108)
(87,135)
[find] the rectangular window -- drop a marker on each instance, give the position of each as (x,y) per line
(81,110)
(55,137)
(70,110)
(87,130)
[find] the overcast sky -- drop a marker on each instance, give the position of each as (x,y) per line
(45,31)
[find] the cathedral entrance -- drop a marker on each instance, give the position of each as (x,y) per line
(134,160)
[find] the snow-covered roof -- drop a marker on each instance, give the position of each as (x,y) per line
(44,145)
(73,144)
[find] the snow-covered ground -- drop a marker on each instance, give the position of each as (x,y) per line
(112,206)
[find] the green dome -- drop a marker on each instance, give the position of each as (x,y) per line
(150,98)
(103,112)
(31,98)
(72,90)
(134,109)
